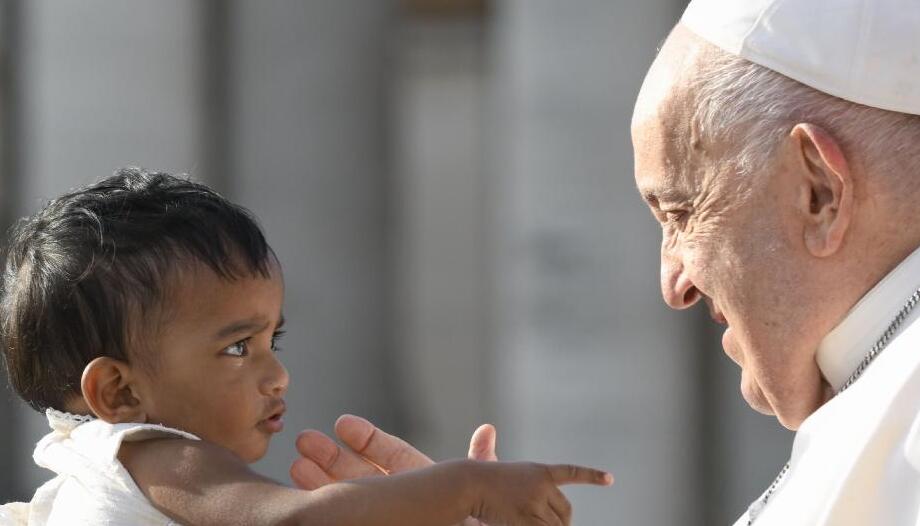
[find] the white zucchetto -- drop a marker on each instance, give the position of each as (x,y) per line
(864,51)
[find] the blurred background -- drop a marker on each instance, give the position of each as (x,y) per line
(448,184)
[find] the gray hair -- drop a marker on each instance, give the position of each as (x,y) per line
(753,108)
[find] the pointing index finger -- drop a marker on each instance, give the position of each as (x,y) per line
(572,474)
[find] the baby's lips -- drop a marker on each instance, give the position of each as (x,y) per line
(274,423)
(275,412)
(277,409)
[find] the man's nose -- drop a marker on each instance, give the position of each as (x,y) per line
(678,290)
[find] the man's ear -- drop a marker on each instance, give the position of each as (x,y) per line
(826,197)
(108,389)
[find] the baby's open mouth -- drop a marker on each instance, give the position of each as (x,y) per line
(275,421)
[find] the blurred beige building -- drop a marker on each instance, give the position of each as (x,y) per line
(449,187)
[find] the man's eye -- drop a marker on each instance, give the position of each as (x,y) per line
(674,216)
(237,349)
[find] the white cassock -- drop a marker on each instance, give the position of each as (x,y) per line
(856,460)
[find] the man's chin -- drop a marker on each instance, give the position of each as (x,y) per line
(755,398)
(790,418)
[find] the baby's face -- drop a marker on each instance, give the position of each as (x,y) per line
(216,373)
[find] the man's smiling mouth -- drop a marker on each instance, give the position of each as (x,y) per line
(714,312)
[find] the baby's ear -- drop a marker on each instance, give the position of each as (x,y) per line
(108,390)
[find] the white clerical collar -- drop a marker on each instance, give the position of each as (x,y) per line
(844,347)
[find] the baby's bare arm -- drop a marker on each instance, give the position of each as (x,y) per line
(198,483)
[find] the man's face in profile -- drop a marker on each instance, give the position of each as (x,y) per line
(727,238)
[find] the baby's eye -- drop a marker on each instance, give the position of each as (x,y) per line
(237,349)
(276,336)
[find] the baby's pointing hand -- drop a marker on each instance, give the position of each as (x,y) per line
(519,494)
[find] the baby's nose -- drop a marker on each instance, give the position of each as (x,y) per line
(276,379)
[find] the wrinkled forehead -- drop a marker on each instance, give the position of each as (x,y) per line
(666,147)
(666,139)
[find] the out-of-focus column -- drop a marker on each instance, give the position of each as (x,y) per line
(439,87)
(9,489)
(104,84)
(308,156)
(108,84)
(592,367)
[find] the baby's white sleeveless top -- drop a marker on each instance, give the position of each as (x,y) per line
(91,486)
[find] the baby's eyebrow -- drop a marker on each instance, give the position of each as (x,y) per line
(252,325)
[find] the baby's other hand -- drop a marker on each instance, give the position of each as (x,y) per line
(525,493)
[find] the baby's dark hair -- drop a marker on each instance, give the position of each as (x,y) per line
(95,265)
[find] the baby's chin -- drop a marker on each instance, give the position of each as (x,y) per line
(249,455)
(248,452)
(251,459)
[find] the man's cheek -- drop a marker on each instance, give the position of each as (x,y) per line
(730,346)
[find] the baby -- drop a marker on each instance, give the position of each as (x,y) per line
(142,314)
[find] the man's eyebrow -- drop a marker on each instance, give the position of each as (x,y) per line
(650,197)
(655,196)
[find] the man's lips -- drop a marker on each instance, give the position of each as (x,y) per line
(729,349)
(274,423)
(715,313)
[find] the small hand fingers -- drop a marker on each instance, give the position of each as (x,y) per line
(307,475)
(317,446)
(561,506)
(482,443)
(386,451)
(571,474)
(548,517)
(338,463)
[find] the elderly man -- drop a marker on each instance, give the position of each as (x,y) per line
(777,143)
